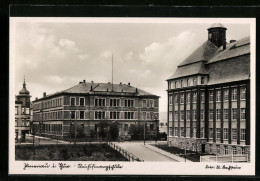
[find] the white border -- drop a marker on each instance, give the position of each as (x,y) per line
(131,168)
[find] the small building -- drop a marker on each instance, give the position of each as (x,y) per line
(22,114)
(88,103)
(209,97)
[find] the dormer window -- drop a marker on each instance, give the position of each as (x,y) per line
(176,84)
(202,81)
(188,82)
(195,81)
(181,83)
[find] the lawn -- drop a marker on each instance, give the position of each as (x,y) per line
(87,152)
(190,155)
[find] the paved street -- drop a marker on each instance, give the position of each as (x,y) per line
(145,152)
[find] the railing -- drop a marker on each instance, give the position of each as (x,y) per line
(224,158)
(126,154)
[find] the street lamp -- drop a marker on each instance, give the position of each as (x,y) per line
(144,128)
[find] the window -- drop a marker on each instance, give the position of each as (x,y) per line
(81,115)
(234,113)
(72,115)
(202,95)
(234,94)
(218,98)
(82,101)
(114,102)
(242,93)
(151,127)
(170,115)
(72,101)
(188,82)
(170,131)
(188,97)
(125,127)
(194,133)
(243,113)
(225,113)
(188,114)
(243,150)
(226,150)
(225,133)
(202,132)
(218,149)
(194,114)
(234,134)
(176,84)
(176,99)
(210,96)
(242,134)
(234,150)
(100,102)
(201,114)
(210,132)
(16,110)
(175,115)
(188,132)
(181,83)
(114,115)
(176,131)
(144,103)
(99,114)
(194,97)
(226,92)
(129,115)
(129,103)
(202,80)
(211,114)
(23,110)
(182,131)
(170,100)
(218,114)
(148,115)
(182,115)
(218,133)
(182,98)
(144,115)
(195,81)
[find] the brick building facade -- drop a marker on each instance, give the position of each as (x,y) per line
(209,97)
(88,103)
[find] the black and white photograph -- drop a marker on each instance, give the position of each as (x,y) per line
(132,95)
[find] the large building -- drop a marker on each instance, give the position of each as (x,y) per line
(22,114)
(209,97)
(88,103)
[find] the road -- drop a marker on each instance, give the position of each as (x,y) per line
(144,153)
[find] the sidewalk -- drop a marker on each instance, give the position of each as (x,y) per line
(167,154)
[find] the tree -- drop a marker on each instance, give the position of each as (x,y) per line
(136,131)
(80,132)
(102,129)
(113,131)
(161,124)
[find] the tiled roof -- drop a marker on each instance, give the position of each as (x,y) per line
(204,52)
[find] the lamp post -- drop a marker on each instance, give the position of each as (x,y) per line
(70,126)
(144,128)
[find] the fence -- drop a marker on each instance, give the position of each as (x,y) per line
(224,158)
(126,154)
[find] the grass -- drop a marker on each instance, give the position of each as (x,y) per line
(88,152)
(190,155)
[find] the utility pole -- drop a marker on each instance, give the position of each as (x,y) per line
(112,72)
(144,128)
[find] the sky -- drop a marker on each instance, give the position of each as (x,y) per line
(55,56)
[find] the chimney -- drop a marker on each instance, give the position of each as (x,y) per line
(136,90)
(108,82)
(92,81)
(232,41)
(120,83)
(224,44)
(217,35)
(44,94)
(91,88)
(36,98)
(84,81)
(80,82)
(129,83)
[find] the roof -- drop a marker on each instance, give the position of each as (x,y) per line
(95,88)
(204,52)
(217,25)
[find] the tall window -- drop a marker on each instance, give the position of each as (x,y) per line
(195,81)
(234,94)
(72,101)
(218,133)
(100,102)
(176,99)
(114,115)
(202,132)
(72,115)
(182,131)
(188,114)
(27,110)
(234,134)
(218,98)
(151,103)
(226,150)
(218,114)
(234,113)
(170,115)
(194,133)
(194,114)
(129,115)
(176,84)
(225,113)
(187,131)
(82,101)
(170,100)
(188,82)
(225,133)
(242,93)
(202,80)
(182,115)
(243,113)
(114,102)
(202,96)
(243,150)
(129,103)
(148,115)
(211,96)
(144,102)
(175,115)
(176,131)
(194,97)
(234,149)
(16,110)
(182,98)
(82,115)
(202,114)
(211,114)
(144,115)
(188,97)
(99,114)
(242,134)
(210,132)
(226,92)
